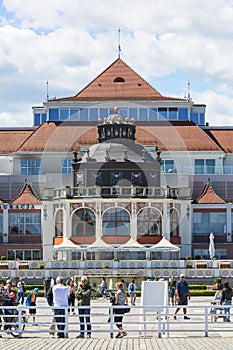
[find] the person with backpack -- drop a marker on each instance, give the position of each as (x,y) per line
(226,300)
(31,302)
(103,286)
(132,288)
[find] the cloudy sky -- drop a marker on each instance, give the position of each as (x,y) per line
(69,42)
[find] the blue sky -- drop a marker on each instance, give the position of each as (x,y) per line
(69,42)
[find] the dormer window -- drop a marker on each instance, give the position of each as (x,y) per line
(119,80)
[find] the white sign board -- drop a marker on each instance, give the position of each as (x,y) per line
(154,293)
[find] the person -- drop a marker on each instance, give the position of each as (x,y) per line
(172,290)
(103,286)
(83,295)
(124,284)
(21,290)
(132,288)
(120,299)
(60,301)
(8,299)
(226,300)
(31,301)
(182,295)
(71,299)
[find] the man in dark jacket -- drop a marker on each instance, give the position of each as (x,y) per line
(83,295)
(182,295)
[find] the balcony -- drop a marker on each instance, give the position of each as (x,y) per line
(122,192)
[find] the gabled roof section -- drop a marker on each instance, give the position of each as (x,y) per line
(118,82)
(12,139)
(208,196)
(176,136)
(26,196)
(224,137)
(58,137)
(168,136)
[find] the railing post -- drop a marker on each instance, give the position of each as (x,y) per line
(111,321)
(206,322)
(66,322)
(159,323)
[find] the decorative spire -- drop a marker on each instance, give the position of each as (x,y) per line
(119,43)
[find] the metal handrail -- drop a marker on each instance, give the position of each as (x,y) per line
(157,320)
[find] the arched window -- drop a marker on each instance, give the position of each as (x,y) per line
(149,222)
(119,80)
(59,223)
(174,223)
(83,222)
(116,222)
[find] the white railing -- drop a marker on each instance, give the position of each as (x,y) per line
(141,321)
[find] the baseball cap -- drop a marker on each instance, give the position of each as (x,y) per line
(182,275)
(36,290)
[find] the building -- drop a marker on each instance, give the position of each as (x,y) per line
(100,177)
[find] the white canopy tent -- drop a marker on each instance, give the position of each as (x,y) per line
(165,250)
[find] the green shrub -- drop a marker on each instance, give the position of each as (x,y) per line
(202,293)
(189,266)
(198,286)
(42,266)
(3,257)
(106,266)
(188,257)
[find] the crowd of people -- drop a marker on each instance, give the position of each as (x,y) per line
(63,295)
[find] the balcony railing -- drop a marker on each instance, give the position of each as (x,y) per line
(121,191)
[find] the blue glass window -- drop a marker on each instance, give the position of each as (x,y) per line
(183,114)
(116,222)
(124,112)
(103,112)
(64,114)
(204,223)
(202,119)
(133,113)
(25,223)
(142,113)
(162,113)
(84,114)
(172,113)
(53,114)
(153,113)
(30,166)
(36,119)
(44,115)
(74,114)
(194,117)
(116,176)
(67,167)
(93,114)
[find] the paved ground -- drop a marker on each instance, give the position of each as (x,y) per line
(180,337)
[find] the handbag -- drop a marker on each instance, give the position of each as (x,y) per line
(126,309)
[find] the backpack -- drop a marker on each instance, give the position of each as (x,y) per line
(228,293)
(49,296)
(131,287)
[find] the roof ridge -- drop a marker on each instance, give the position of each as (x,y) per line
(27,189)
(211,139)
(209,188)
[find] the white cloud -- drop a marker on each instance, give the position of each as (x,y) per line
(69,42)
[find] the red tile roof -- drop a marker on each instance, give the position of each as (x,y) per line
(176,136)
(68,136)
(26,196)
(130,86)
(208,196)
(11,139)
(224,137)
(57,137)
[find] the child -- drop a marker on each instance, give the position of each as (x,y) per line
(31,301)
